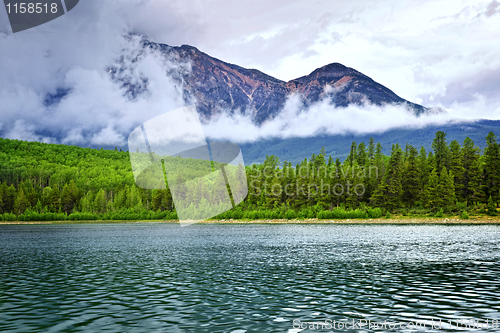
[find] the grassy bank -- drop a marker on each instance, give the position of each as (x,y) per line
(392,220)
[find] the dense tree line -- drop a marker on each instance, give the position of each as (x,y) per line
(41,181)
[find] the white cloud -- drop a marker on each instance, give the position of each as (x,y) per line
(107,136)
(322,118)
(96,109)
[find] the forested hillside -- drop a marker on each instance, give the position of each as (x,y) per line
(55,182)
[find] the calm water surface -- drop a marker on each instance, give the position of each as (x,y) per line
(244,278)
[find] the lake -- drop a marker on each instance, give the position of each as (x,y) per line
(153,277)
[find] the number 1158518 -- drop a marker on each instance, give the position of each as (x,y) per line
(31,8)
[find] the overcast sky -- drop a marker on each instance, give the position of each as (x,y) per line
(436,53)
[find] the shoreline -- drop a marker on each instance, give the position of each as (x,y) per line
(400,220)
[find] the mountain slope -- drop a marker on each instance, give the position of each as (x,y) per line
(219,86)
(296,149)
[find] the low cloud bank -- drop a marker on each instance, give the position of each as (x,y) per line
(323,118)
(88,105)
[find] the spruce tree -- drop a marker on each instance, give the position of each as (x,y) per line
(351,181)
(441,152)
(472,179)
(389,193)
(448,189)
(433,200)
(379,163)
(411,178)
(330,165)
(352,154)
(337,183)
(425,169)
(492,168)
(371,150)
(254,183)
(303,174)
(457,169)
(491,207)
(361,157)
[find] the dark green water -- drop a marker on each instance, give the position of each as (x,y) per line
(244,278)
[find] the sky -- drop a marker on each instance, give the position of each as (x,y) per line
(435,53)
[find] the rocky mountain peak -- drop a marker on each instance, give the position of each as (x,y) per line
(218,86)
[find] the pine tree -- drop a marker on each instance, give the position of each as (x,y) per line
(238,183)
(302,176)
(432,190)
(492,168)
(407,152)
(440,191)
(351,181)
(254,183)
(472,176)
(425,170)
(337,183)
(379,164)
(322,185)
(352,154)
(457,169)
(289,184)
(448,189)
(330,165)
(361,157)
(371,150)
(491,207)
(441,152)
(411,178)
(389,193)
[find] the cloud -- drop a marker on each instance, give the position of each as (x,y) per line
(107,136)
(321,118)
(22,130)
(57,87)
(493,8)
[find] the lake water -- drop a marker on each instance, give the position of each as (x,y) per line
(148,277)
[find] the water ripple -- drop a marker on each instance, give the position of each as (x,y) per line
(242,278)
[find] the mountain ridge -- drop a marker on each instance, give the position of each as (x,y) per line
(219,86)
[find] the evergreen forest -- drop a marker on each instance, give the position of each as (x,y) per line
(50,182)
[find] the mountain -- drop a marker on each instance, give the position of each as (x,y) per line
(217,85)
(296,149)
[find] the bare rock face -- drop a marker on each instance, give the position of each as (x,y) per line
(219,86)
